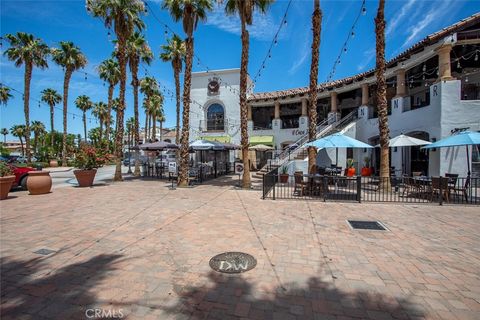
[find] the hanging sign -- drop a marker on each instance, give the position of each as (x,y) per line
(239,168)
(172,167)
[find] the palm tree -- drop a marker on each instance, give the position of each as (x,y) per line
(174,51)
(19,131)
(4,132)
(32,52)
(109,71)
(124,16)
(155,109)
(38,129)
(137,51)
(245,11)
(84,103)
(51,97)
(189,12)
(5,95)
(161,119)
(382,96)
(312,107)
(149,87)
(71,59)
(100,110)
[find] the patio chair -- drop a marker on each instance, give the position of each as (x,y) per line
(439,185)
(300,184)
(410,186)
(462,189)
(452,180)
(416,173)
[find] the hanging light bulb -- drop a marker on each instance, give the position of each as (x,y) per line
(39,104)
(275,41)
(85,76)
(424,68)
(364,10)
(466,79)
(476,56)
(458,65)
(285,22)
(353,34)
(345,49)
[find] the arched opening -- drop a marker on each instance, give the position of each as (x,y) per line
(215,118)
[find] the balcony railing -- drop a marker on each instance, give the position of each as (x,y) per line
(213,125)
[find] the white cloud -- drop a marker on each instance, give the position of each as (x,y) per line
(304,54)
(367,58)
(399,16)
(263,27)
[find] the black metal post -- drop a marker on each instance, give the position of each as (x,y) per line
(359,189)
(440,195)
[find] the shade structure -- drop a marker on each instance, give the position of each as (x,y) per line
(221,139)
(266,140)
(464,138)
(231,146)
(406,141)
(207,145)
(337,140)
(260,147)
(158,146)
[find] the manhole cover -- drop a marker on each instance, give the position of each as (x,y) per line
(366,225)
(233,262)
(44,252)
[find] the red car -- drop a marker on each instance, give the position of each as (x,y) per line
(21,174)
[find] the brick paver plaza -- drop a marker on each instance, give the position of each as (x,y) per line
(142,251)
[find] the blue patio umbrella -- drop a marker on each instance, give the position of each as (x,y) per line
(464,138)
(337,140)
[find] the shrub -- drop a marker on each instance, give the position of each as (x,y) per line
(5,169)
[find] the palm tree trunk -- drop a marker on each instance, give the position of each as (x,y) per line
(244,107)
(183,170)
(312,109)
(66,81)
(145,134)
(150,135)
(154,131)
(109,112)
(161,130)
(136,133)
(85,125)
(382,97)
(176,74)
(35,142)
(122,61)
(52,142)
(26,108)
(4,138)
(21,145)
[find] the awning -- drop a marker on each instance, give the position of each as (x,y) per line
(266,140)
(222,139)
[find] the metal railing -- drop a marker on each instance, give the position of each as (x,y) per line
(438,190)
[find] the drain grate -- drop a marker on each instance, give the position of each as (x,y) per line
(366,225)
(44,252)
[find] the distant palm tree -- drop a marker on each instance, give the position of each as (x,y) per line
(51,97)
(4,132)
(245,11)
(18,131)
(382,97)
(161,119)
(109,71)
(38,128)
(174,51)
(130,126)
(155,109)
(137,51)
(84,103)
(32,52)
(149,87)
(100,110)
(312,108)
(189,12)
(124,15)
(5,95)
(71,59)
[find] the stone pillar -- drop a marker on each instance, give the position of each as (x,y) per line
(304,107)
(445,71)
(249,112)
(303,120)
(333,101)
(276,121)
(401,84)
(277,110)
(365,94)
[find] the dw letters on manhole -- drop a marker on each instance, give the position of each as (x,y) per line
(233,262)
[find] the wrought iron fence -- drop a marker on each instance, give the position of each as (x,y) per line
(439,190)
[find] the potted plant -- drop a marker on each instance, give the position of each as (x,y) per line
(284,174)
(6,180)
(350,168)
(366,170)
(88,159)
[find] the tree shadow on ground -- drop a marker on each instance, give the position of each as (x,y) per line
(29,292)
(232,297)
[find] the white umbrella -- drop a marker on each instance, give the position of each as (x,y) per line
(261,147)
(406,141)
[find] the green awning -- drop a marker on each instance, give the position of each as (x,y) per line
(266,140)
(221,139)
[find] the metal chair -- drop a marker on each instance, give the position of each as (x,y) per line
(439,186)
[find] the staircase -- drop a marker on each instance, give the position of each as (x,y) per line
(300,152)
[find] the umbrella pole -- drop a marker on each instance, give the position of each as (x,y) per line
(215,155)
(468,162)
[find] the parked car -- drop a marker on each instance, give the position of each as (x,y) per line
(21,159)
(21,174)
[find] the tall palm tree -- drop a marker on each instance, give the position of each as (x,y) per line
(19,131)
(84,103)
(190,12)
(312,107)
(71,59)
(32,52)
(174,51)
(100,110)
(5,95)
(130,128)
(38,128)
(161,119)
(4,132)
(245,10)
(149,87)
(124,15)
(109,71)
(155,109)
(382,96)
(137,51)
(51,97)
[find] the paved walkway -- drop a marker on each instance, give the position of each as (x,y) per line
(142,251)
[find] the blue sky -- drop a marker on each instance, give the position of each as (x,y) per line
(217,44)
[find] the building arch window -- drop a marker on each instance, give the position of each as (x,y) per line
(215,117)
